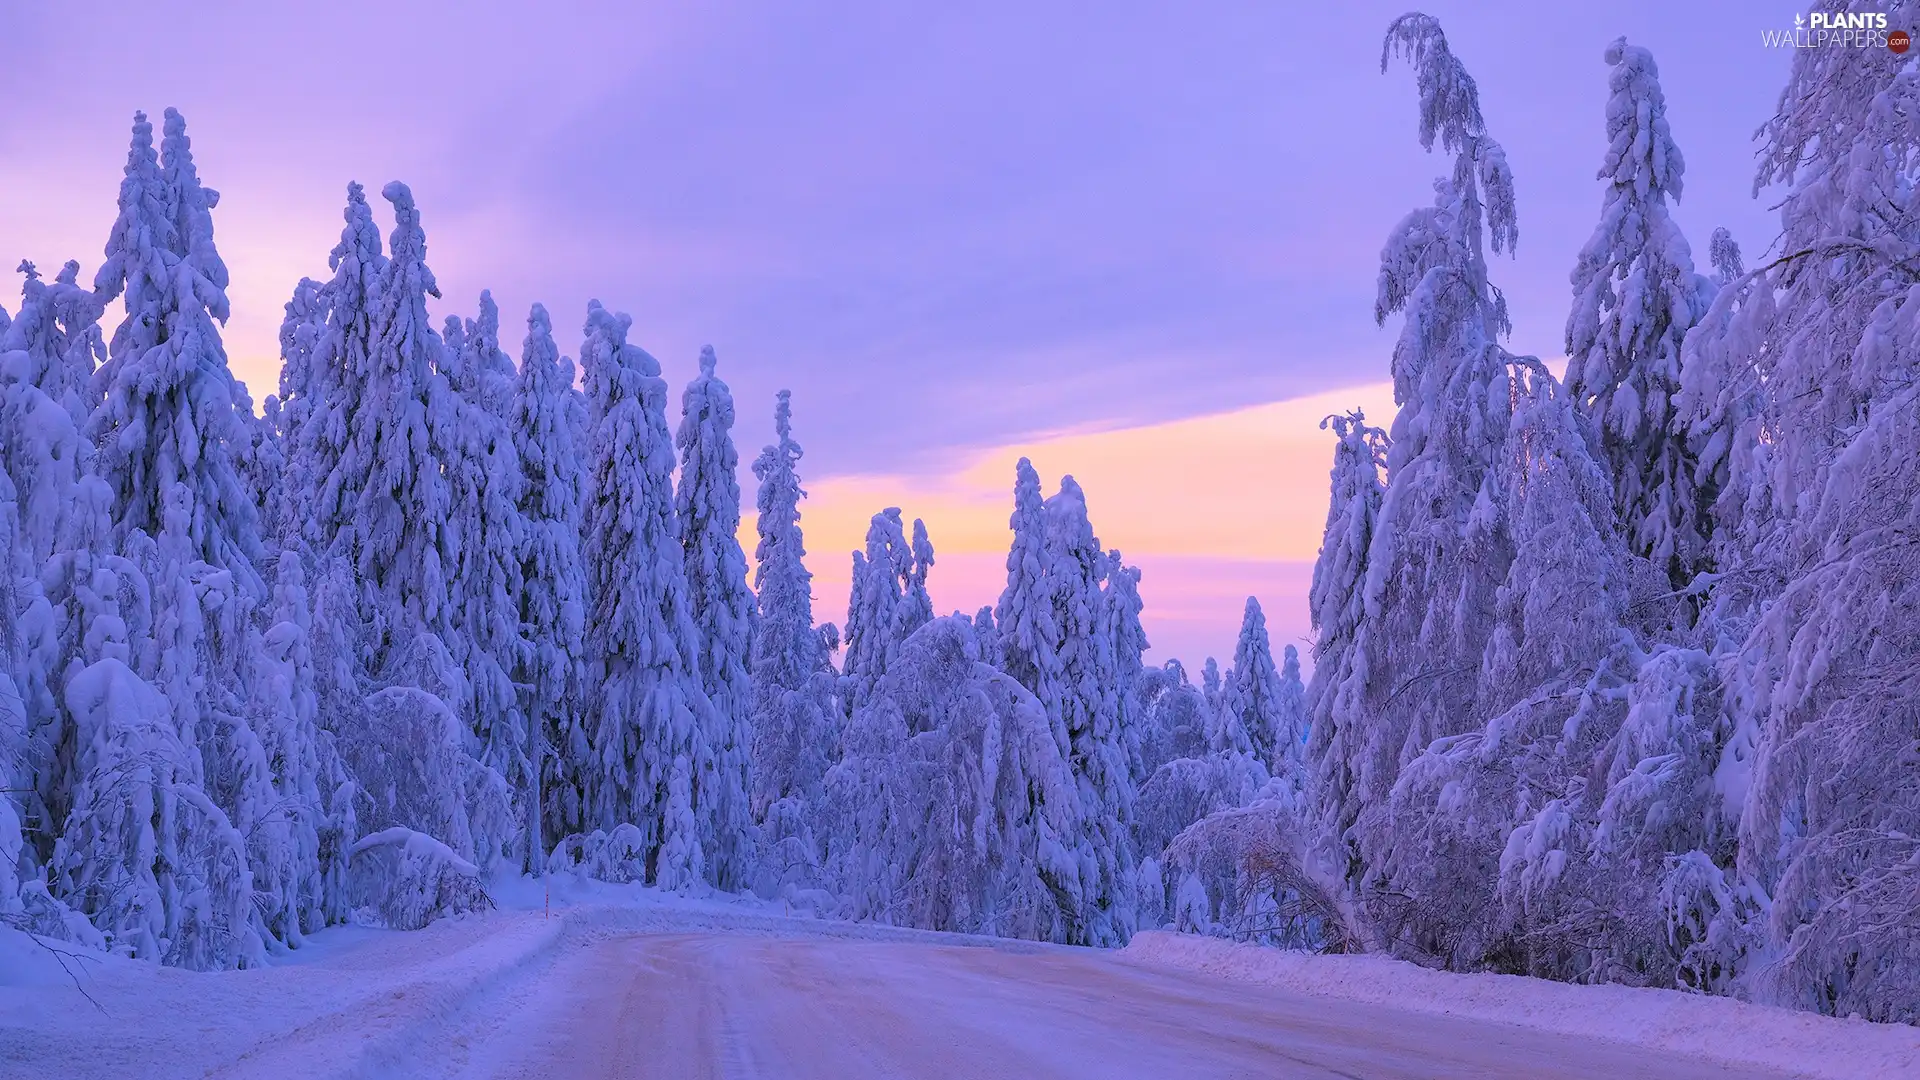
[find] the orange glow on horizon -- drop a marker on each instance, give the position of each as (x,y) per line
(1212,508)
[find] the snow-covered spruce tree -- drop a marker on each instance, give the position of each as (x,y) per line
(261,458)
(874,598)
(707,506)
(137,269)
(916,606)
(168,414)
(984,632)
(1493,850)
(1182,790)
(1459,708)
(1811,359)
(795,723)
(201,662)
(47,357)
(394,462)
(1337,609)
(302,384)
(26,900)
(1253,697)
(59,328)
(79,309)
(296,883)
(489,378)
(1199,762)
(143,852)
(1173,715)
(334,634)
(16,777)
(1635,297)
(52,624)
(387,509)
(1437,553)
(146,855)
(174,432)
(1211,691)
(1660,835)
(1226,725)
(318,451)
(1120,620)
(553,591)
(1089,709)
(483,489)
(1024,619)
(314,641)
(1724,253)
(649,715)
(961,810)
(887,602)
(1293,724)
(1228,841)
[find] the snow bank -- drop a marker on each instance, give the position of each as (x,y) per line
(343,1011)
(1715,1028)
(29,963)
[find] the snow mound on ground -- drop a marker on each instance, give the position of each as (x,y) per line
(28,962)
(1716,1028)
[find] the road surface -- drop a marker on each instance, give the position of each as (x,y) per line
(736,1007)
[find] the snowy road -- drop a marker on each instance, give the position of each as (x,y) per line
(715,1005)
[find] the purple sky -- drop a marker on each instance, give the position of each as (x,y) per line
(948,228)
